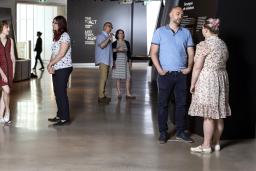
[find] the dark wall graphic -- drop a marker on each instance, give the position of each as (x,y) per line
(241,64)
(195,14)
(236,31)
(86,19)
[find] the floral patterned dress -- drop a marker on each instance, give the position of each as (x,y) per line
(211,96)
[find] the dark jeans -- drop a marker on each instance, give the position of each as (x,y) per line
(172,82)
(60,81)
(38,57)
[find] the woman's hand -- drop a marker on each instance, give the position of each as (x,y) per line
(120,49)
(50,69)
(114,65)
(130,65)
(186,71)
(4,78)
(192,89)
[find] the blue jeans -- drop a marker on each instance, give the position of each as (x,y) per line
(173,82)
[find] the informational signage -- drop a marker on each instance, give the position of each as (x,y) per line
(195,14)
(89,35)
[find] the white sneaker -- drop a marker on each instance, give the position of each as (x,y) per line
(217,147)
(2,120)
(200,149)
(7,117)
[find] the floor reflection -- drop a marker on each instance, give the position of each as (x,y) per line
(120,136)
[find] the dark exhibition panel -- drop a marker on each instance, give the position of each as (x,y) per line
(241,64)
(237,31)
(86,19)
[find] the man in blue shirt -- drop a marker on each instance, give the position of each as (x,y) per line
(172,54)
(104,58)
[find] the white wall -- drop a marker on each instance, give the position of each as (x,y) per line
(49,2)
(153,8)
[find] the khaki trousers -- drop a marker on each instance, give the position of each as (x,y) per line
(104,70)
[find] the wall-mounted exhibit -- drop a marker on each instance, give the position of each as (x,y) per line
(86,19)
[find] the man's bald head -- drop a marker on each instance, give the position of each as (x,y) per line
(176,15)
(176,8)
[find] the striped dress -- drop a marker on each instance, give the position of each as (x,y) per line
(122,70)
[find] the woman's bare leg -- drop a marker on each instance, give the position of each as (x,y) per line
(2,105)
(208,132)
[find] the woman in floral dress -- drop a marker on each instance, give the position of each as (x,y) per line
(210,86)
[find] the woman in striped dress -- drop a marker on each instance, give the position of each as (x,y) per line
(122,63)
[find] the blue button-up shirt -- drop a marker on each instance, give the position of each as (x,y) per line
(103,55)
(172,47)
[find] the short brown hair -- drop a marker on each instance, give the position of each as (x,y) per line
(2,24)
(108,23)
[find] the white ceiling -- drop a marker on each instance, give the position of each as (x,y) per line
(60,2)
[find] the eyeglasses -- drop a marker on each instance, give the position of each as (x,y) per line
(109,26)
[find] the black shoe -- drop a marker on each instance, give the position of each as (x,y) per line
(55,119)
(130,97)
(108,98)
(104,100)
(119,97)
(41,68)
(61,123)
(184,137)
(163,138)
(32,75)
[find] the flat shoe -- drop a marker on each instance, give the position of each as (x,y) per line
(61,123)
(55,119)
(7,117)
(200,149)
(217,147)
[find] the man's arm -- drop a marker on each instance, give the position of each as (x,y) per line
(154,56)
(105,42)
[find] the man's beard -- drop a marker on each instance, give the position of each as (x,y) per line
(177,21)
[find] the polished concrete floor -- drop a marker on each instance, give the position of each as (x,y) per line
(121,136)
